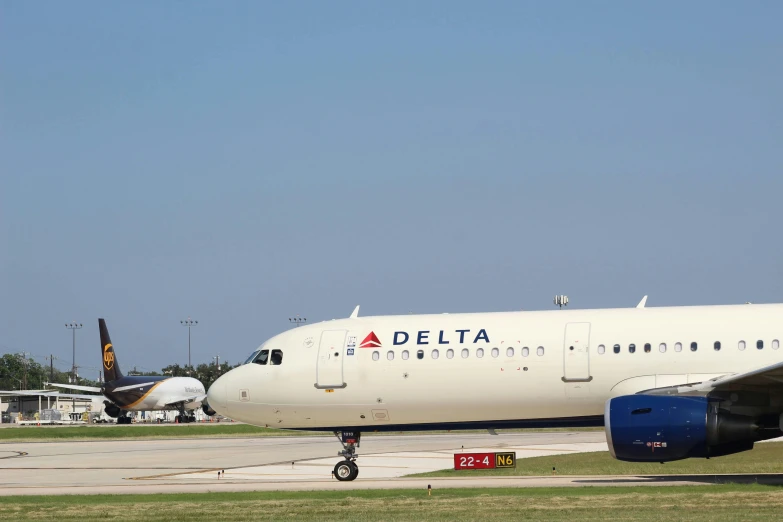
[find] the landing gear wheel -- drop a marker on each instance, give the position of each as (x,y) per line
(345,471)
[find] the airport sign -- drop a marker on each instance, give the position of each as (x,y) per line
(484,460)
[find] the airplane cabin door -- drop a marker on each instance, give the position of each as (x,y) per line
(329,370)
(576,353)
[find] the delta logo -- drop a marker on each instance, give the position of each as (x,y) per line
(422,337)
(371,341)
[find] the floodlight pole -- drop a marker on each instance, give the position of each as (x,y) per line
(189,323)
(296,320)
(73,326)
(561,301)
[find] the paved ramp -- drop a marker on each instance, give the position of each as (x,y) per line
(382,465)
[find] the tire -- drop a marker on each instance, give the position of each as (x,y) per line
(345,471)
(355,470)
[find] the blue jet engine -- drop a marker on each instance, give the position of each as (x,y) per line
(657,428)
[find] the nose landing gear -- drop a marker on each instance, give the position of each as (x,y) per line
(347,470)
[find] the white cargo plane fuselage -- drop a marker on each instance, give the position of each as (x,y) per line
(517,369)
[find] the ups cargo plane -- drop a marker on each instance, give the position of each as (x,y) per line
(141,393)
(667,383)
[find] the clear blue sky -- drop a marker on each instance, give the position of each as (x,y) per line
(241,162)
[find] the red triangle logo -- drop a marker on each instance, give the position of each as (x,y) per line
(371,341)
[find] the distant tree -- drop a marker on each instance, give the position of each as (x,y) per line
(12,372)
(175,370)
(18,372)
(205,373)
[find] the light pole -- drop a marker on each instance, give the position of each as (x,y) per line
(217,362)
(296,320)
(23,357)
(189,323)
(73,326)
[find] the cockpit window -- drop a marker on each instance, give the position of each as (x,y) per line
(252,356)
(262,357)
(277,357)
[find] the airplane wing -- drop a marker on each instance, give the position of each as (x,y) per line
(48,393)
(14,393)
(132,386)
(186,400)
(76,387)
(769,378)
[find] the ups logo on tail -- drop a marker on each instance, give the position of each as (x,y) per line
(108,357)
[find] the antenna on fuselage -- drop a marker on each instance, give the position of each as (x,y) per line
(642,302)
(355,313)
(561,301)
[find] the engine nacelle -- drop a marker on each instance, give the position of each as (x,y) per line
(653,428)
(207,410)
(112,410)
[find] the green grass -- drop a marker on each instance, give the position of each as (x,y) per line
(54,433)
(764,458)
(696,503)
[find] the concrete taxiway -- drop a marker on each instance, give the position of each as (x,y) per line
(282,463)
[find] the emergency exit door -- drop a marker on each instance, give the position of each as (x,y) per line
(576,353)
(329,369)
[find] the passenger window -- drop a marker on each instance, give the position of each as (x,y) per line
(741,345)
(405,355)
(525,351)
(540,350)
(376,356)
(775,344)
(601,348)
(495,352)
(277,357)
(717,346)
(759,344)
(435,353)
(262,357)
(480,353)
(616,348)
(631,348)
(662,347)
(420,354)
(647,347)
(694,347)
(509,352)
(465,353)
(390,355)
(677,347)
(449,354)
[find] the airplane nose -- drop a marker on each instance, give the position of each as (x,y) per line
(216,396)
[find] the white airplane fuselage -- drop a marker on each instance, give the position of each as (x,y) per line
(154,393)
(522,368)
